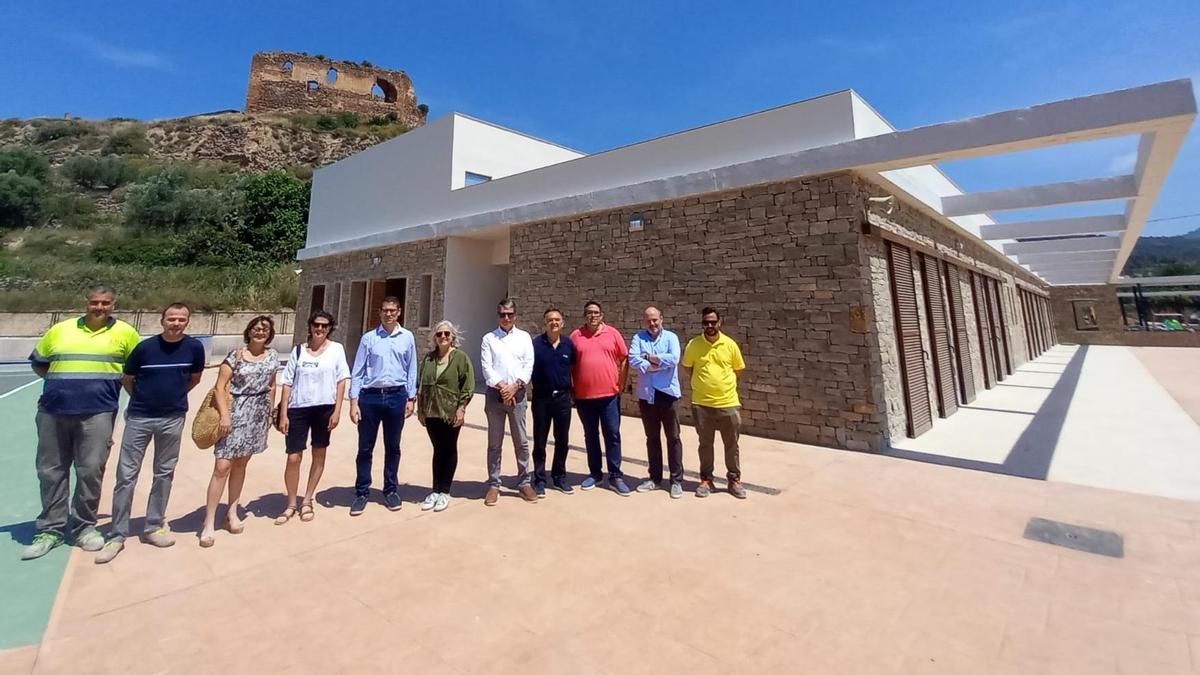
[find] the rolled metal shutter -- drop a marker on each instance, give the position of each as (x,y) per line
(1003,369)
(979,299)
(958,324)
(908,340)
(935,311)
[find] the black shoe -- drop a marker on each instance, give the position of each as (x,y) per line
(540,490)
(358,506)
(563,486)
(392,501)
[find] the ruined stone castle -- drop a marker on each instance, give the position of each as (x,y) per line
(283,82)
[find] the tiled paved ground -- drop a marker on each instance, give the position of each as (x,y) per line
(863,564)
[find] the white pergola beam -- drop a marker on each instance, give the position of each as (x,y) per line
(1182,280)
(1038,196)
(1078,244)
(1050,268)
(1055,227)
(1156,153)
(1060,256)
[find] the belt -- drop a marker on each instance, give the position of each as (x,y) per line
(251,393)
(385,390)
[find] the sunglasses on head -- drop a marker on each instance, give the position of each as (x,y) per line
(442,333)
(506,314)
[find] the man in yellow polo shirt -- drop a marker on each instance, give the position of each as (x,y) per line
(81,360)
(715,361)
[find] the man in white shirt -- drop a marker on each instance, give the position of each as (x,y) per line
(506,357)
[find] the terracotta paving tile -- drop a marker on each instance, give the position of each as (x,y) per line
(863,564)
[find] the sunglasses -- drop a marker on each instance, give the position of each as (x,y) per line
(442,333)
(324,326)
(709,323)
(592,313)
(506,314)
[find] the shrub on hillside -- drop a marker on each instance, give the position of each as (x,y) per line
(128,248)
(128,141)
(104,172)
(53,131)
(165,202)
(20,200)
(68,209)
(22,187)
(266,224)
(24,163)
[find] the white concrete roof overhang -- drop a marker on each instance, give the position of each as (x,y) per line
(1082,250)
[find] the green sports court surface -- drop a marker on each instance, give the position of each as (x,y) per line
(27,589)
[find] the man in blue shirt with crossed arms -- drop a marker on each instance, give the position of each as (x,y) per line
(383,390)
(654,354)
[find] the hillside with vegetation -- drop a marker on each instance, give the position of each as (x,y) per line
(209,210)
(1165,256)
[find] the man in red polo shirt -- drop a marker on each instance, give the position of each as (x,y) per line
(601,370)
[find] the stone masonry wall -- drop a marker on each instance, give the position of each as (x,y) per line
(915,225)
(1108,316)
(290,82)
(782,264)
(409,261)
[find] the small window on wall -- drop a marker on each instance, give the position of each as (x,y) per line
(476,178)
(426,306)
(318,300)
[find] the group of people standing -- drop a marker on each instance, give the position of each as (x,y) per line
(86,361)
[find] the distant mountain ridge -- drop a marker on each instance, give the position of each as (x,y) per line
(1165,256)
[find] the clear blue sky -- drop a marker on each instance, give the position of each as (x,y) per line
(603,74)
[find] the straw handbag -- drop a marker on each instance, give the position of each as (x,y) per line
(206,426)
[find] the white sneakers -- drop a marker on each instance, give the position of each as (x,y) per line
(436,501)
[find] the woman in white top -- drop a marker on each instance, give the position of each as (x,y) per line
(314,384)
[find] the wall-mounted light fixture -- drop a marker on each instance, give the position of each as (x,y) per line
(636,223)
(375,259)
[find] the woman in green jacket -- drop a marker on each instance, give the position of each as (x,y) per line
(447,384)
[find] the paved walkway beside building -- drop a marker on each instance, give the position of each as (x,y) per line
(858,564)
(1087,415)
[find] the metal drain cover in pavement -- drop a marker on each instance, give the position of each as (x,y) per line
(1086,539)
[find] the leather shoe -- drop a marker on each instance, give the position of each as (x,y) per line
(528,494)
(493,494)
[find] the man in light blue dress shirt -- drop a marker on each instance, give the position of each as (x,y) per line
(383,389)
(654,354)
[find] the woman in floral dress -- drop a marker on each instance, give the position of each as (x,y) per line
(247,377)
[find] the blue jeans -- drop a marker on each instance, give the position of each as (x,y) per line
(601,415)
(376,406)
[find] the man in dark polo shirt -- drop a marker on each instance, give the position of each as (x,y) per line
(553,358)
(158,376)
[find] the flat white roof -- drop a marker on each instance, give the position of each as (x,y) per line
(404,189)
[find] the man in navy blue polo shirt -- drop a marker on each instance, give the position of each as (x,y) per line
(553,357)
(158,376)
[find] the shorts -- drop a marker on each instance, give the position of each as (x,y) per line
(301,420)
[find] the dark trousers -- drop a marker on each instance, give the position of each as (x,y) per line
(444,437)
(602,415)
(551,411)
(377,407)
(662,414)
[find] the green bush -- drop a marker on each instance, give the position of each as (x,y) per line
(128,141)
(165,202)
(128,248)
(22,187)
(68,209)
(347,119)
(56,130)
(266,225)
(106,172)
(20,200)
(24,163)
(327,122)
